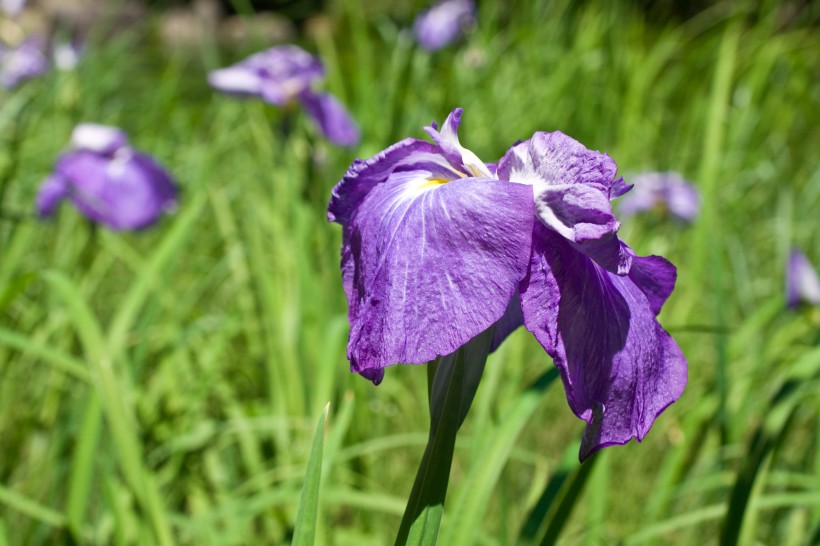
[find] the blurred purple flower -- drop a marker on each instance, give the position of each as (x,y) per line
(25,61)
(443,23)
(283,74)
(668,190)
(438,246)
(108,181)
(802,283)
(12,8)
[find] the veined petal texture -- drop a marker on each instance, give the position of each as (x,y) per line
(428,267)
(365,174)
(572,187)
(619,367)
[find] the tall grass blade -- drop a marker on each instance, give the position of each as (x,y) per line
(470,506)
(546,521)
(306,519)
(767,436)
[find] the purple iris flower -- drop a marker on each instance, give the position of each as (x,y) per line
(443,23)
(283,74)
(438,246)
(667,190)
(802,283)
(108,181)
(25,61)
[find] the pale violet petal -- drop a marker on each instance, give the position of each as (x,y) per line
(97,138)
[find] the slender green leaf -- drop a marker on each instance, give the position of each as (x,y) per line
(452,391)
(547,519)
(305,532)
(22,504)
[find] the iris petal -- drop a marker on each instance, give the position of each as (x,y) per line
(364,175)
(50,194)
(802,282)
(460,157)
(130,191)
(619,367)
(428,268)
(508,323)
(572,187)
(331,117)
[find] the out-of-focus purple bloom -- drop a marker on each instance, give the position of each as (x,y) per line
(25,61)
(443,23)
(438,246)
(12,8)
(108,181)
(284,74)
(667,190)
(802,283)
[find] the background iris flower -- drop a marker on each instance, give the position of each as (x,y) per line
(283,74)
(667,190)
(443,23)
(12,8)
(108,181)
(26,60)
(802,283)
(437,248)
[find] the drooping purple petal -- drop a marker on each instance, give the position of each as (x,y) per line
(25,61)
(127,192)
(331,117)
(508,323)
(429,265)
(802,282)
(443,23)
(656,277)
(572,188)
(619,367)
(50,194)
(662,189)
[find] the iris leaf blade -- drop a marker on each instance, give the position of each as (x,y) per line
(304,533)
(451,392)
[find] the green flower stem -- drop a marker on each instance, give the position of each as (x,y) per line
(453,381)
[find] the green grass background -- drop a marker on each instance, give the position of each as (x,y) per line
(163,387)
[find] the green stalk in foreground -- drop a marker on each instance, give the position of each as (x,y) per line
(454,381)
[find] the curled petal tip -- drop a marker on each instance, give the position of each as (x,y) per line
(375,375)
